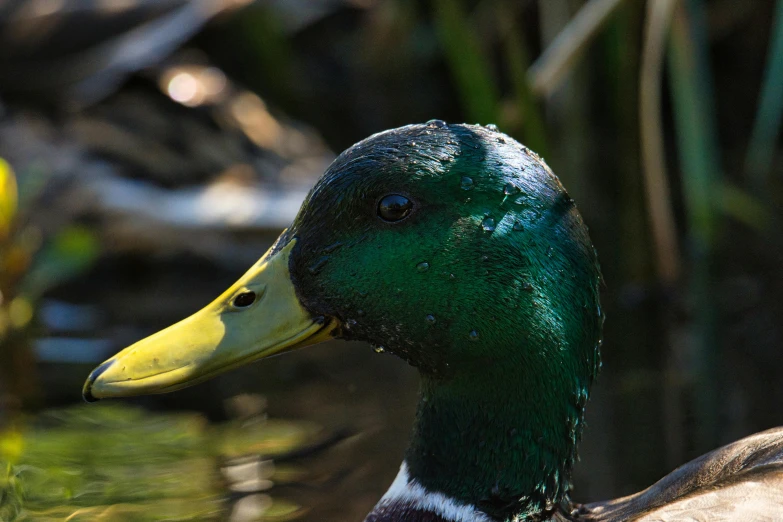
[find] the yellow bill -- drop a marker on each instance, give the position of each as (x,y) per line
(259,316)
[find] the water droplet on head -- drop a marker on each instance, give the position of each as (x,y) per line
(518,226)
(436,123)
(466,183)
(473,335)
(492,127)
(488,224)
(318,265)
(423,266)
(581,397)
(430,318)
(510,188)
(331,248)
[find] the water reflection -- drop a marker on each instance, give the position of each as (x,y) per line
(119,462)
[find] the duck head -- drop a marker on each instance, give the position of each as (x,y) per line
(453,247)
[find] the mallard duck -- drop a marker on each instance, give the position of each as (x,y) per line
(456,249)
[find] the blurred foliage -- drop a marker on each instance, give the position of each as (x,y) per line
(31,262)
(67,254)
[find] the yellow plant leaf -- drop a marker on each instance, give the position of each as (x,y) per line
(8,197)
(20,312)
(11,445)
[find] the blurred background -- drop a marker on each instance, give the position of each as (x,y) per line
(151,150)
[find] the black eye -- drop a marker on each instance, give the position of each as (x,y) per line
(244,299)
(394,207)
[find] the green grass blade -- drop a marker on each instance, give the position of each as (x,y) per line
(770,110)
(745,208)
(690,80)
(472,75)
(657,191)
(560,56)
(533,131)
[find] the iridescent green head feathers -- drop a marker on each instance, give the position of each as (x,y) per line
(489,256)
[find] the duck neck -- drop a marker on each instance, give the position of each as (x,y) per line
(499,440)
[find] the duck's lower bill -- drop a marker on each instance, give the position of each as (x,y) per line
(229,332)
